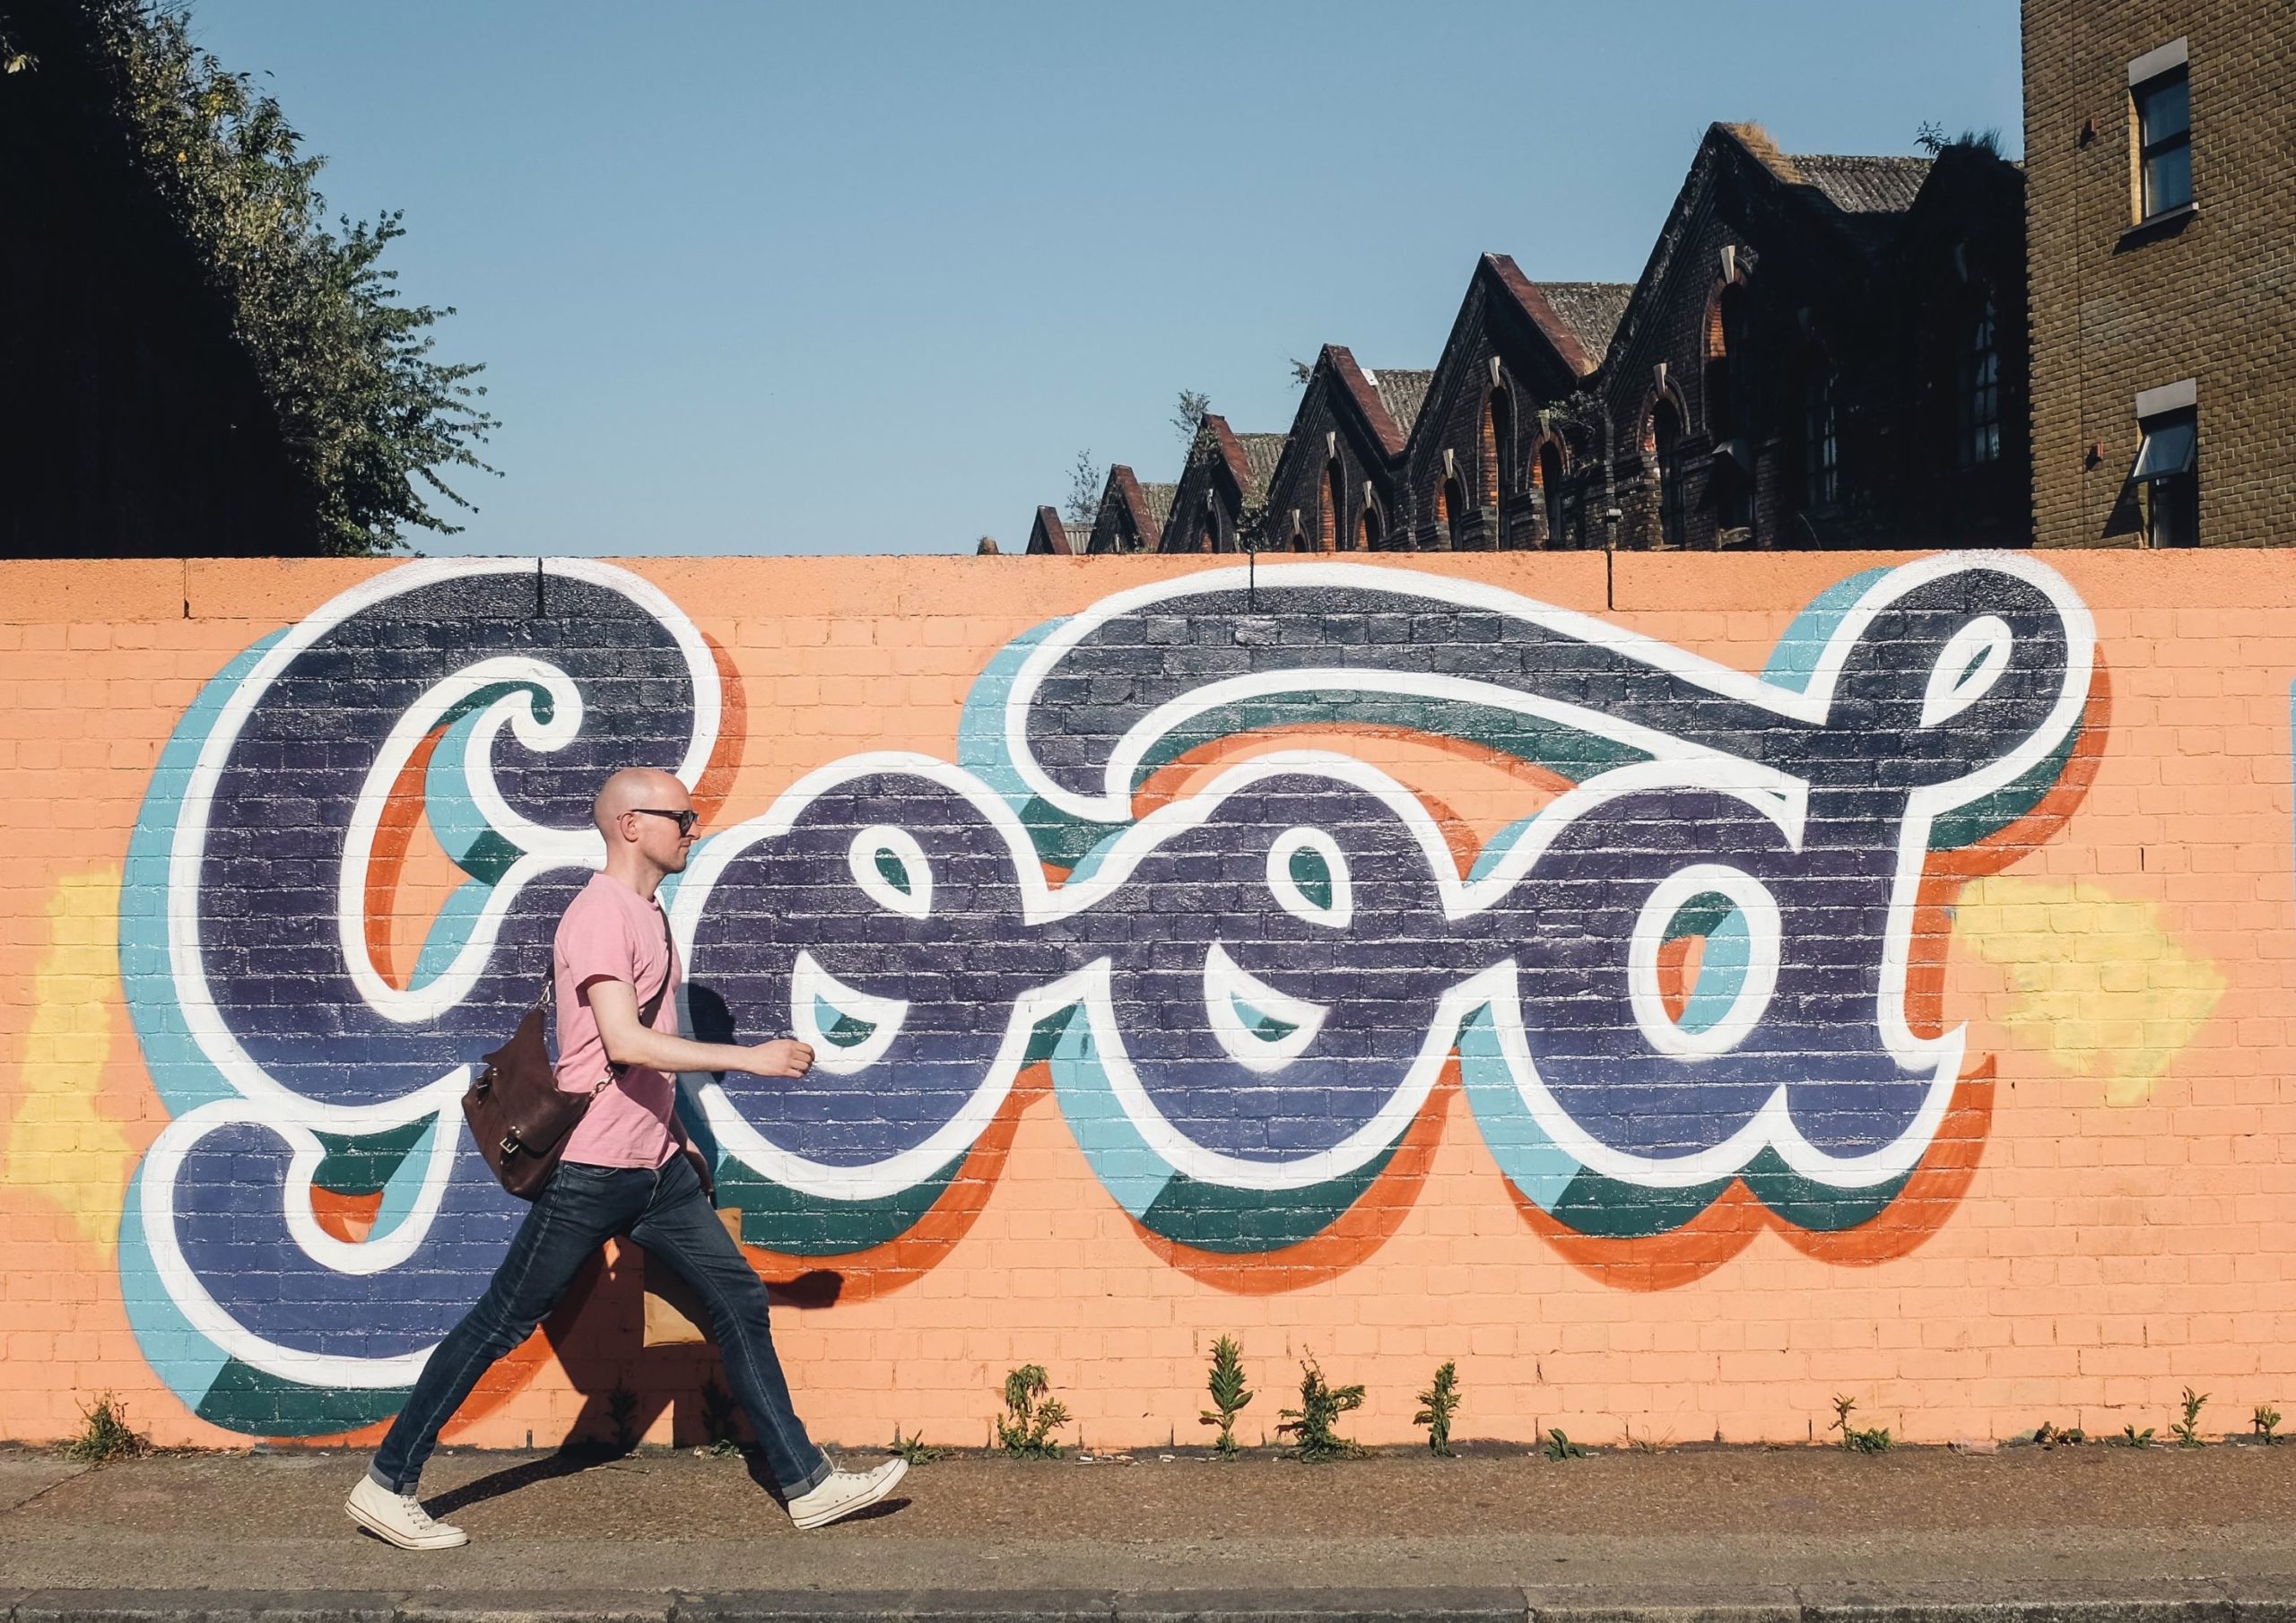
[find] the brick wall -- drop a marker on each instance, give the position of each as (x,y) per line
(1671,1111)
(2205,296)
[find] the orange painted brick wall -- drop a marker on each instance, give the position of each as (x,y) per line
(2098,1213)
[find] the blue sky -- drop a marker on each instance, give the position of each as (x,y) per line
(846,278)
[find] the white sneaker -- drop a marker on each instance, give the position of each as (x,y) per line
(399,1518)
(845,1492)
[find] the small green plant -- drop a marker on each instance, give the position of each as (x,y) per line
(621,1409)
(1031,1415)
(2187,1429)
(718,1412)
(1321,1406)
(1229,1393)
(2049,1435)
(2130,1437)
(2266,1420)
(914,1451)
(1560,1447)
(1858,1439)
(104,1434)
(1437,1405)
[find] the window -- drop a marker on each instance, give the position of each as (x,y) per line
(1368,530)
(2167,477)
(1454,510)
(1335,492)
(1550,470)
(1499,460)
(1820,442)
(1666,443)
(1724,380)
(1981,391)
(2163,140)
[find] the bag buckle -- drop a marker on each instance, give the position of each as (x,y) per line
(510,1145)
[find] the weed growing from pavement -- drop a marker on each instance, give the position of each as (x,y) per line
(1321,1406)
(2187,1429)
(104,1434)
(1560,1447)
(1437,1404)
(915,1451)
(1858,1439)
(2266,1420)
(1031,1415)
(2049,1435)
(2130,1437)
(1229,1393)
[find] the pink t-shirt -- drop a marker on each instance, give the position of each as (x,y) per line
(611,932)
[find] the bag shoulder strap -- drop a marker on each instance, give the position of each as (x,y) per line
(652,1006)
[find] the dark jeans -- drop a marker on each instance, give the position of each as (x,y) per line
(663,1210)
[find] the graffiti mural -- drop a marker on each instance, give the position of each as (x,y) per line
(1245,994)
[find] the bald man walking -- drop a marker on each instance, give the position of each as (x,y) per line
(628,1169)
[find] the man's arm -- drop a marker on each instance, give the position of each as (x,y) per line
(630,1043)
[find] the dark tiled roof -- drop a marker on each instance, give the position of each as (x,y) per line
(1158,500)
(1863,185)
(1261,453)
(1591,309)
(1402,392)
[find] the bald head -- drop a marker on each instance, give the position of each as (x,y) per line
(634,787)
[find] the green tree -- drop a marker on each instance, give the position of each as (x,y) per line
(369,415)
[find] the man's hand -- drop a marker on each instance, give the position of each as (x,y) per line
(787,1057)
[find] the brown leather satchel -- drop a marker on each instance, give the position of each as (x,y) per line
(517,1111)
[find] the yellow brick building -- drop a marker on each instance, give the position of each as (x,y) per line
(2159,149)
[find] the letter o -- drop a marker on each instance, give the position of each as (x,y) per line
(1757,906)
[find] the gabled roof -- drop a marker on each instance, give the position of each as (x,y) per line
(1864,199)
(1261,454)
(1863,185)
(1048,535)
(1590,309)
(1140,504)
(1403,391)
(1361,387)
(1504,274)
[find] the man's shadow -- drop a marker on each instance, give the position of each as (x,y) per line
(598,1334)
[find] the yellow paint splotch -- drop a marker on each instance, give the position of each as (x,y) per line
(59,1145)
(2102,989)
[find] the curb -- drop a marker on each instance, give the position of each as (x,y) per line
(2195,1604)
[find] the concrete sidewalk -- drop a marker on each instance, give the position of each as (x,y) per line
(1927,1536)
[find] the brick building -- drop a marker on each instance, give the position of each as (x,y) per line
(1221,504)
(2163,234)
(1496,438)
(1822,351)
(1130,518)
(1337,484)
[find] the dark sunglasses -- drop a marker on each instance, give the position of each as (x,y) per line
(685,820)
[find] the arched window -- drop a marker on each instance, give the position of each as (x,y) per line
(1367,528)
(1727,373)
(1549,474)
(1209,534)
(1500,476)
(1452,505)
(1979,390)
(1335,508)
(1666,442)
(1820,437)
